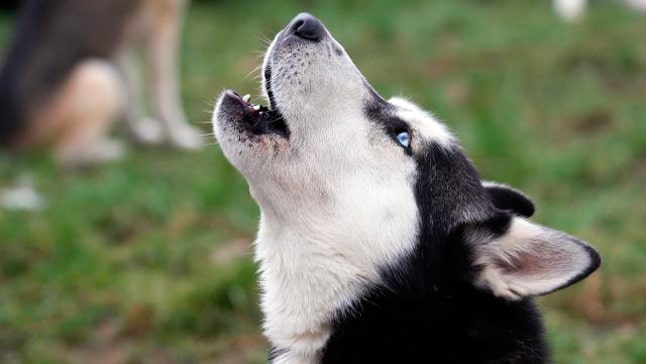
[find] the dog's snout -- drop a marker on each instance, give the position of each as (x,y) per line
(307,27)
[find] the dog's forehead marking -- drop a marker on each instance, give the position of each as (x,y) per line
(423,123)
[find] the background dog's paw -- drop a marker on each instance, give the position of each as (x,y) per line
(100,152)
(147,131)
(186,137)
(107,150)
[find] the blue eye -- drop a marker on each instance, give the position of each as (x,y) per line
(404,139)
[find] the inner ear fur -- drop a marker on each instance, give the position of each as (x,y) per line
(516,258)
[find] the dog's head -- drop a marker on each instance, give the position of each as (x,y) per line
(373,178)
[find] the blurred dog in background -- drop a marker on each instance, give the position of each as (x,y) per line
(72,70)
(572,10)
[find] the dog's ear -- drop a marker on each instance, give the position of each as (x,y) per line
(508,198)
(515,258)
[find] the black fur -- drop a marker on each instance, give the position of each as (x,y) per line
(9,5)
(51,37)
(506,198)
(428,309)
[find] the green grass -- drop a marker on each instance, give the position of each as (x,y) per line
(148,259)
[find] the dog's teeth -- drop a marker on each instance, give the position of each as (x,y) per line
(246,98)
(256,107)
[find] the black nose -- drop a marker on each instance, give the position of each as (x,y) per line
(307,27)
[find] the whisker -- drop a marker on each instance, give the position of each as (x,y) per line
(256,69)
(210,102)
(263,38)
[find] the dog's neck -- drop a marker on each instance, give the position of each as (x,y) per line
(310,271)
(304,281)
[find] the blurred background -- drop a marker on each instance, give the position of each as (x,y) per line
(149,259)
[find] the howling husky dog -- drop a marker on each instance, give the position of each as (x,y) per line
(377,241)
(71,70)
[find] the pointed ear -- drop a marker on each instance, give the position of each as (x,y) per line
(508,198)
(516,258)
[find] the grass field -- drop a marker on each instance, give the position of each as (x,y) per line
(148,260)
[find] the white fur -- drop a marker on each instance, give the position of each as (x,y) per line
(487,184)
(423,122)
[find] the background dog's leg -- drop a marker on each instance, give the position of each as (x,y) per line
(162,54)
(141,128)
(78,120)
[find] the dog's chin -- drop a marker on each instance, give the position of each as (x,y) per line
(251,120)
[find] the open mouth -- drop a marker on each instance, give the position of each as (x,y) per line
(258,119)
